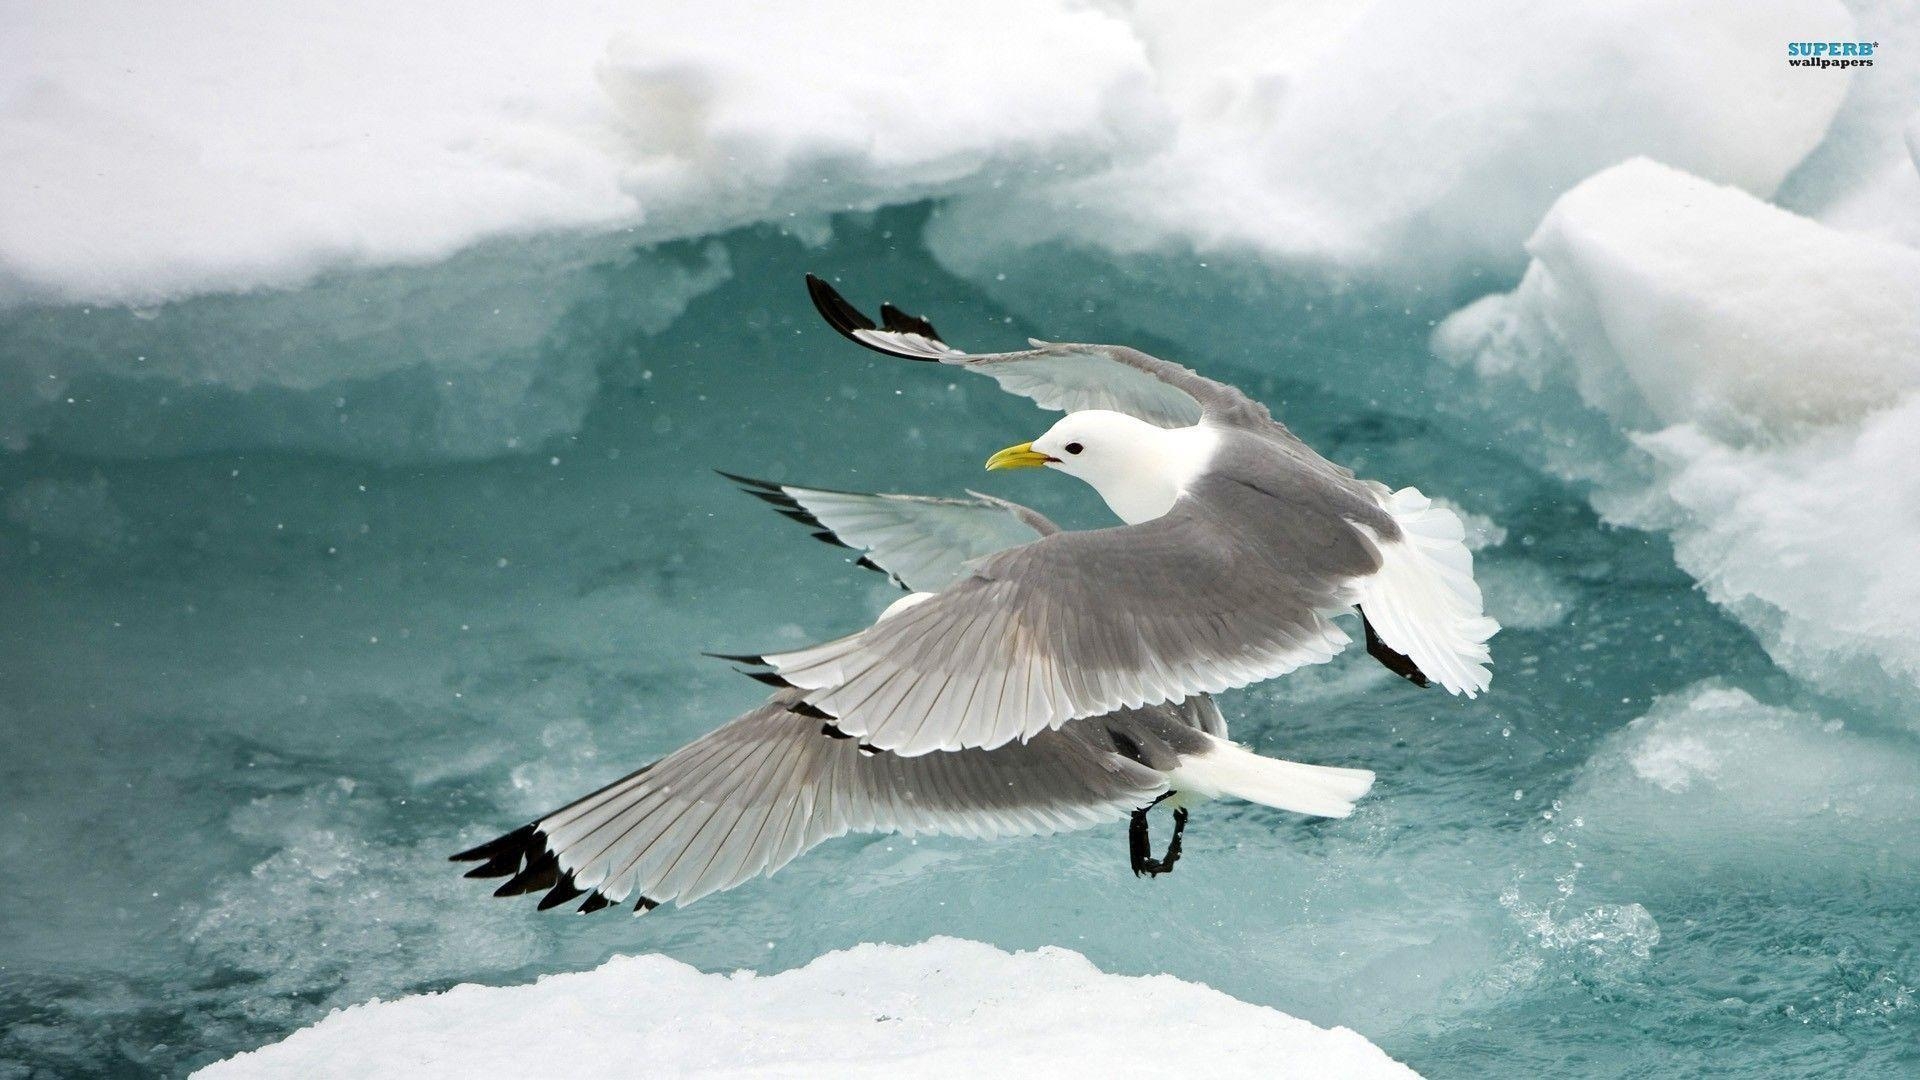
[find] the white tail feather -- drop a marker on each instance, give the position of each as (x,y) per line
(1424,602)
(1227,768)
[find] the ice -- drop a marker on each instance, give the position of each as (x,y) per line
(169,172)
(945,1007)
(1764,367)
(359,378)
(482,355)
(1887,202)
(266,148)
(1524,595)
(243,733)
(1126,133)
(1418,143)
(332,878)
(1681,301)
(1719,778)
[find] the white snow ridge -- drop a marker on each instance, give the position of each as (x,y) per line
(944,1007)
(1767,368)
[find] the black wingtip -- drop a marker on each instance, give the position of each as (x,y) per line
(736,658)
(892,318)
(523,854)
(845,319)
(834,308)
(563,891)
(542,873)
(513,843)
(786,505)
(749,482)
(766,677)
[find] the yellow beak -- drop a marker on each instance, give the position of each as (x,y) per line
(1023,456)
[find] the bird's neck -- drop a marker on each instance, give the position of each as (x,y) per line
(1158,467)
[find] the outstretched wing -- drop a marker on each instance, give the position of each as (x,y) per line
(748,798)
(1232,586)
(1066,377)
(923,542)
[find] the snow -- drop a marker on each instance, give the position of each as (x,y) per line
(944,1007)
(1886,201)
(1419,142)
(459,184)
(1393,136)
(160,153)
(1766,367)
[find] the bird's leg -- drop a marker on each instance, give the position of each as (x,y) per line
(1140,843)
(1173,846)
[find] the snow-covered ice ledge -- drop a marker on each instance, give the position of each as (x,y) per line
(944,1007)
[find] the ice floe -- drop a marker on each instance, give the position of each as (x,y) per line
(453,180)
(489,352)
(1765,365)
(168,152)
(459,182)
(1727,781)
(1409,141)
(945,1007)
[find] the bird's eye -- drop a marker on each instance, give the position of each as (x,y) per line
(1074,448)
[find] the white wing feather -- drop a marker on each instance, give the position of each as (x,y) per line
(1424,601)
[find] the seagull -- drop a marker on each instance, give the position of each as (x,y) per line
(757,792)
(1239,547)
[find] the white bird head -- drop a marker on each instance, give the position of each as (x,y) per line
(1139,469)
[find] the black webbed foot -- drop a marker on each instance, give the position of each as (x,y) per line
(1140,843)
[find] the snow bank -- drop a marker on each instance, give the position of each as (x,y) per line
(945,1007)
(1680,301)
(454,179)
(461,183)
(170,152)
(1725,780)
(163,152)
(1766,366)
(1420,141)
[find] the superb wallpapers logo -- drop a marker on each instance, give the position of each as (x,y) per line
(1831,54)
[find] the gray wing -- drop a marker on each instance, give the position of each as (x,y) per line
(925,543)
(1235,584)
(922,542)
(1200,712)
(1067,377)
(749,797)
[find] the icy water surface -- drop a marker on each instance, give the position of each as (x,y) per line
(252,700)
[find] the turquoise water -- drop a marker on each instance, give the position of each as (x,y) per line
(251,700)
